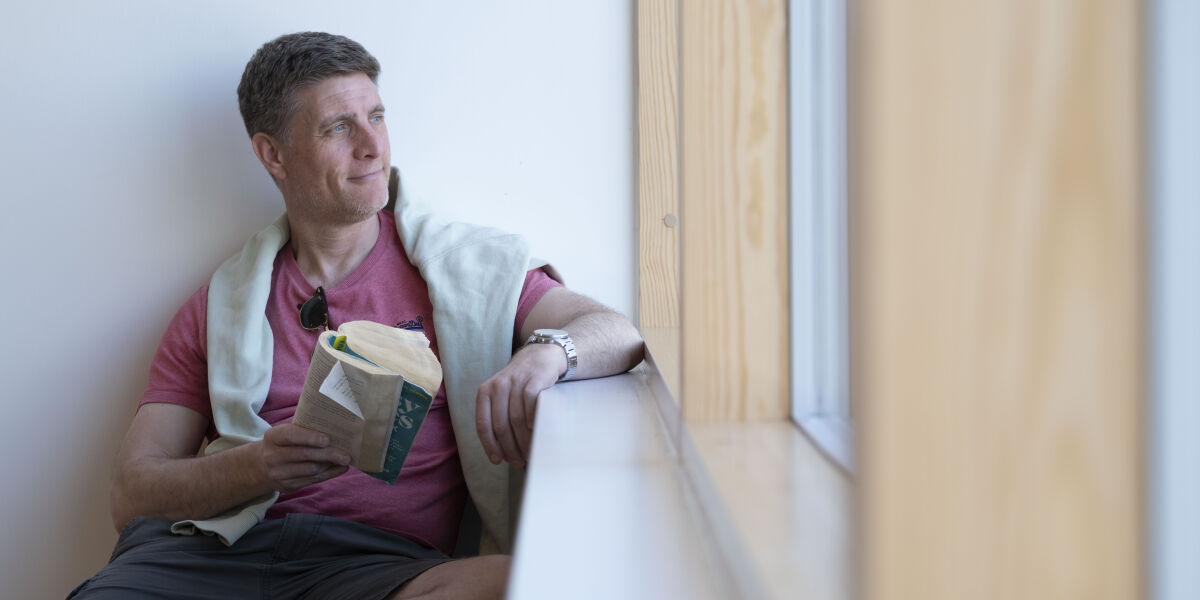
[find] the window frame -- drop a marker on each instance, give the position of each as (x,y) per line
(818,246)
(1174,220)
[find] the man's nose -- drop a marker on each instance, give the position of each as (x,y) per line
(370,142)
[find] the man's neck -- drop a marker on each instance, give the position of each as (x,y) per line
(328,254)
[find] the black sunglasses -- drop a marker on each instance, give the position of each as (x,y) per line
(314,312)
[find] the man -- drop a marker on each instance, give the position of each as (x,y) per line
(316,122)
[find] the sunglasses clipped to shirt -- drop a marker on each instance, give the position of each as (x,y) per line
(314,312)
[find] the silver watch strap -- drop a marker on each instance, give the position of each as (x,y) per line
(562,340)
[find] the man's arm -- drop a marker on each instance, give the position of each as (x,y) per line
(157,473)
(606,342)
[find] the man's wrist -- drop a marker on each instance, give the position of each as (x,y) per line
(561,339)
(549,355)
(251,468)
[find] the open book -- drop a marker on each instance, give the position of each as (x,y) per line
(369,387)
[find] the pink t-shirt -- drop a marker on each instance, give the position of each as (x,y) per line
(426,502)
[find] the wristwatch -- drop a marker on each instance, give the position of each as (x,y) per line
(560,337)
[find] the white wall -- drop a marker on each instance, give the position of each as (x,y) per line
(127,177)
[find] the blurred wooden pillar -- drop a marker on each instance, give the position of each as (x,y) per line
(997,287)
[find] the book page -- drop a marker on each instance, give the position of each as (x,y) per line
(317,411)
(343,427)
(398,350)
(337,387)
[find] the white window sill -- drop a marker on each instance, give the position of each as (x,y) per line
(620,502)
(605,513)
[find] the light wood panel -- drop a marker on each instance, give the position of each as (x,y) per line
(997,298)
(658,184)
(658,164)
(733,133)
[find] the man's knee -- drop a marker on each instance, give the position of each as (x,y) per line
(478,577)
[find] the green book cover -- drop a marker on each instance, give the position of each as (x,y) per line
(411,409)
(410,413)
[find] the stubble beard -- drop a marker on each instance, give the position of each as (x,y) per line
(350,209)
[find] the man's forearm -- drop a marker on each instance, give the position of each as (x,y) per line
(158,475)
(606,342)
(186,488)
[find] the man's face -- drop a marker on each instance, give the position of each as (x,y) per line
(337,159)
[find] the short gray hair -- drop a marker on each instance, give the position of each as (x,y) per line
(284,65)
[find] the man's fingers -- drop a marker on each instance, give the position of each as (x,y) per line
(527,399)
(483,426)
(298,470)
(516,413)
(294,435)
(292,457)
(524,439)
(530,398)
(516,406)
(504,412)
(300,454)
(503,430)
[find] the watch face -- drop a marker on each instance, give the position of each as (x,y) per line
(550,333)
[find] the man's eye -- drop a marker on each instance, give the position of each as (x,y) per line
(377,119)
(340,127)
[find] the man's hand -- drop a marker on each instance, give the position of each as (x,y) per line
(292,457)
(606,341)
(506,403)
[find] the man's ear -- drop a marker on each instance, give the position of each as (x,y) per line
(270,152)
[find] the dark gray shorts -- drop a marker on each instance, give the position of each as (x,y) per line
(299,556)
